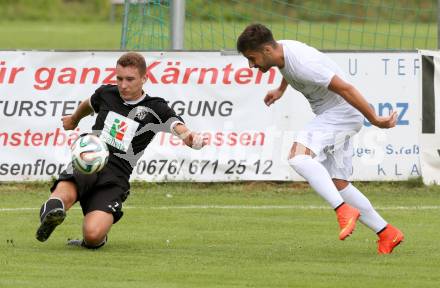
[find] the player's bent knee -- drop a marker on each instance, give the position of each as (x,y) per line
(96,226)
(93,237)
(340,184)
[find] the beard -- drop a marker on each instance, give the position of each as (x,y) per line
(264,69)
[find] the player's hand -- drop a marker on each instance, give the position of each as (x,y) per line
(69,123)
(272,96)
(198,142)
(386,121)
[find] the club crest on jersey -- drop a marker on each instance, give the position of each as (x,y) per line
(141,112)
(118,131)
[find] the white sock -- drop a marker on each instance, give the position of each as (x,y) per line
(318,177)
(369,216)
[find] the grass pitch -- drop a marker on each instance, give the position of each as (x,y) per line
(41,35)
(66,35)
(223,235)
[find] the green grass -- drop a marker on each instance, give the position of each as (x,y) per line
(60,36)
(161,242)
(214,36)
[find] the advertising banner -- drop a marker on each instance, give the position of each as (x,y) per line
(430,107)
(215,93)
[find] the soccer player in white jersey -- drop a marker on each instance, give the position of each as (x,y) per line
(322,150)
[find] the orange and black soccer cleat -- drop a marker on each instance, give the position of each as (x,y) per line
(389,238)
(347,217)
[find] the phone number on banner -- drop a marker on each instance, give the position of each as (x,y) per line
(202,167)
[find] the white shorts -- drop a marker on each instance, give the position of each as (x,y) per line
(329,136)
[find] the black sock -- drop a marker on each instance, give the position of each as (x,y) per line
(49,205)
(382,229)
(85,245)
(339,206)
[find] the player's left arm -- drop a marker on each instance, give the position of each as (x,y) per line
(176,126)
(190,138)
(355,98)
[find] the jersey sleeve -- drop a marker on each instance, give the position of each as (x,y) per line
(96,99)
(168,117)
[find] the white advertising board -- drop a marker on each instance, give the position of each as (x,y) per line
(215,94)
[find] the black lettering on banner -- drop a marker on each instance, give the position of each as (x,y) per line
(202,167)
(266,166)
(269,164)
(202,108)
(428,95)
(229,170)
(164,162)
(39,108)
(214,166)
(40,167)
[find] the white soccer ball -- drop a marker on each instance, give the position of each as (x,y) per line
(89,154)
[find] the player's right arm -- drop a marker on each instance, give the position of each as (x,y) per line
(275,94)
(355,98)
(84,109)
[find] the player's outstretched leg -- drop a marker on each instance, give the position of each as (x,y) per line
(52,214)
(389,238)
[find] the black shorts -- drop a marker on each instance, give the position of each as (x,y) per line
(103,191)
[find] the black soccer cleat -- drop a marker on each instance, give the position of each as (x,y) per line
(52,214)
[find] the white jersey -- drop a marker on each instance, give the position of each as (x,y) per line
(310,71)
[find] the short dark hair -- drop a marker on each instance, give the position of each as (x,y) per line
(254,37)
(133,59)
